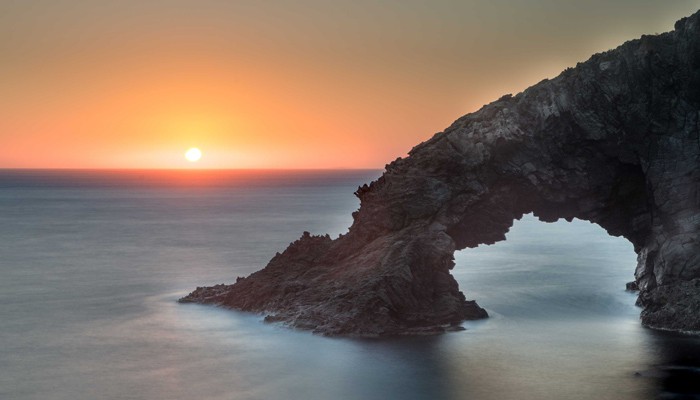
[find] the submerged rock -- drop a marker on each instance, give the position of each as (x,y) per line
(615,141)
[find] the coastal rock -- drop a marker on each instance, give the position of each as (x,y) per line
(205,293)
(672,307)
(614,141)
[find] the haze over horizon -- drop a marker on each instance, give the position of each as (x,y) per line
(304,84)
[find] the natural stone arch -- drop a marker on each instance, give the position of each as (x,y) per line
(614,141)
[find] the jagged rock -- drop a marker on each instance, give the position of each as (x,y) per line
(205,294)
(672,307)
(614,141)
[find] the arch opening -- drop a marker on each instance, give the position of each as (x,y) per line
(561,270)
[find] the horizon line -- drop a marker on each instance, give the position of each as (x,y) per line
(190,169)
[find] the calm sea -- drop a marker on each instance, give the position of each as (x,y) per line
(92,263)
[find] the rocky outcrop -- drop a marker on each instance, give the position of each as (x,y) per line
(615,141)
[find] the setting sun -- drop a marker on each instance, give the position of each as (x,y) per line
(193,154)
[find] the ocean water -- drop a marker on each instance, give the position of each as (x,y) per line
(92,263)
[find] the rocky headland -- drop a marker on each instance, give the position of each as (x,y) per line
(614,141)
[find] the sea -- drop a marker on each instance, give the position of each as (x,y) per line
(92,264)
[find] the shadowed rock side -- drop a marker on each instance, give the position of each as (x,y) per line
(614,141)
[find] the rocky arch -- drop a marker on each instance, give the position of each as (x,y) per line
(615,141)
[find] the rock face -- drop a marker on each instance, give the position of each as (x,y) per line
(615,141)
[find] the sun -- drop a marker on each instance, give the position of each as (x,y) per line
(193,154)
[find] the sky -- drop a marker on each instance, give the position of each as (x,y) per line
(278,84)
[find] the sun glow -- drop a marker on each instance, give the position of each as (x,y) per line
(193,154)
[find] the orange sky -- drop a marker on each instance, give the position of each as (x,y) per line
(277,84)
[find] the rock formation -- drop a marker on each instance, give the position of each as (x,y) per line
(615,141)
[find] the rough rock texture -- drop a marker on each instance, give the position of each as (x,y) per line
(615,141)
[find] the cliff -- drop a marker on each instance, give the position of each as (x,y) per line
(615,141)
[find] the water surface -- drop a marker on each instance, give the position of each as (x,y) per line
(92,264)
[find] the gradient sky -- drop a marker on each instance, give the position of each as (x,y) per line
(278,84)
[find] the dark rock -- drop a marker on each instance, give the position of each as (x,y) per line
(614,141)
(632,286)
(672,307)
(455,328)
(210,294)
